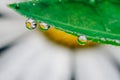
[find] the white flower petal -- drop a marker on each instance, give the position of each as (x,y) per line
(95,65)
(33,58)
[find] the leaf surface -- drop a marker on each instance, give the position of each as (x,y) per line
(99,22)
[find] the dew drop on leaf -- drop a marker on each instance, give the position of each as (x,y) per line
(82,40)
(33,4)
(103,39)
(60,0)
(117,41)
(44,26)
(30,24)
(17,4)
(92,1)
(102,23)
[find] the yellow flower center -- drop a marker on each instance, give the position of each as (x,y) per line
(28,24)
(65,39)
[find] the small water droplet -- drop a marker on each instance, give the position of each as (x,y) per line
(82,40)
(30,24)
(59,0)
(17,7)
(34,4)
(92,1)
(103,39)
(17,4)
(117,41)
(111,40)
(44,26)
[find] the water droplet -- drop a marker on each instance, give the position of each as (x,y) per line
(92,1)
(30,24)
(117,41)
(103,39)
(34,4)
(17,7)
(82,40)
(17,4)
(59,0)
(111,40)
(44,26)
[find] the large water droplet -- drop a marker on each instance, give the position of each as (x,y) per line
(44,26)
(30,24)
(82,40)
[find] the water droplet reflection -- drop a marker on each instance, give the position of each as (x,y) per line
(82,40)
(30,24)
(44,26)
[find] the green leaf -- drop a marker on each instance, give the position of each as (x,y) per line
(99,22)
